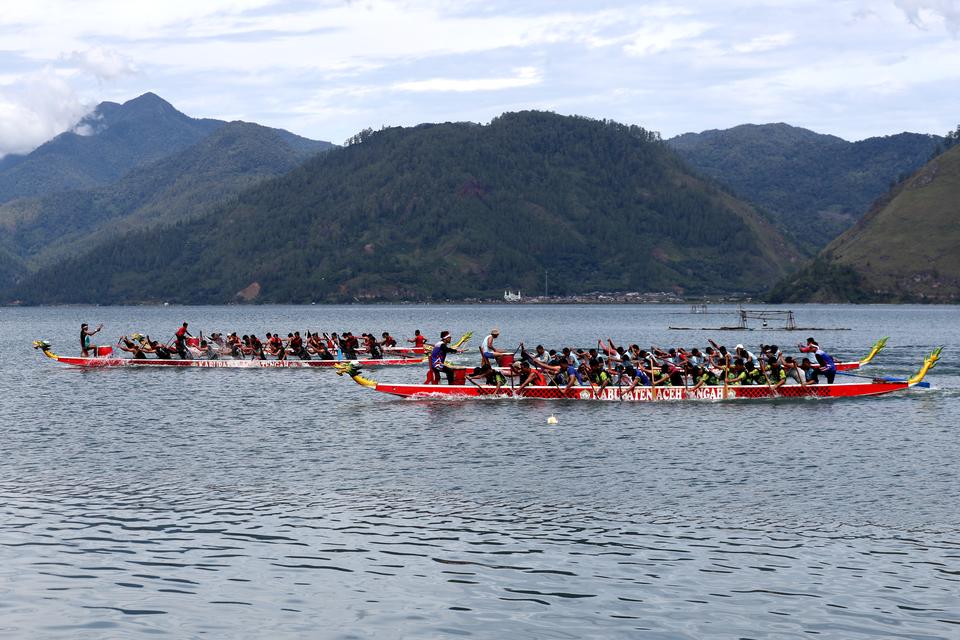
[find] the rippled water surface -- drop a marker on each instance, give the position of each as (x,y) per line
(293,503)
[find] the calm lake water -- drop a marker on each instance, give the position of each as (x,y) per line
(294,503)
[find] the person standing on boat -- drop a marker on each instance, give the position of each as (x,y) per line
(181,336)
(438,357)
(827,365)
(85,344)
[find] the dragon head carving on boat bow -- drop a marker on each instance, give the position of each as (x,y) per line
(44,345)
(928,363)
(459,343)
(353,370)
(877,348)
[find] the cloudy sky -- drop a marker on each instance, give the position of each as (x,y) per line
(326,69)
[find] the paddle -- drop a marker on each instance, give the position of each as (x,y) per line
(763,370)
(726,373)
(483,391)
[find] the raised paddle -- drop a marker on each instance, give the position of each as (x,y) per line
(763,370)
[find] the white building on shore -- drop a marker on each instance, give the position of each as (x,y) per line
(511,297)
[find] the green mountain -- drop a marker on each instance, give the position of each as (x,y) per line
(816,186)
(906,249)
(178,187)
(448,211)
(104,146)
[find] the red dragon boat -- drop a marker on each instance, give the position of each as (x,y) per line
(224,363)
(107,359)
(877,386)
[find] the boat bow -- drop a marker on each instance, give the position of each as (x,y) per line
(877,348)
(928,363)
(353,371)
(44,346)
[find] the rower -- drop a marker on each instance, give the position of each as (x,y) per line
(417,340)
(207,351)
(528,376)
(775,372)
(296,346)
(738,373)
(747,355)
(162,351)
(348,345)
(701,377)
(132,347)
(490,376)
(373,347)
(827,365)
(438,357)
(599,375)
(388,341)
(810,373)
(752,374)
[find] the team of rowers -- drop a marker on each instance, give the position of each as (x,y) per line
(628,367)
(343,346)
(606,364)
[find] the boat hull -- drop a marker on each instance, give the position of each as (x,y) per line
(643,394)
(97,363)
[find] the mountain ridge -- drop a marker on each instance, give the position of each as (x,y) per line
(102,147)
(452,210)
(814,185)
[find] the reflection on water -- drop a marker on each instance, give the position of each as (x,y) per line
(294,503)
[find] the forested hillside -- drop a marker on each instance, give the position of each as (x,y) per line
(449,211)
(815,185)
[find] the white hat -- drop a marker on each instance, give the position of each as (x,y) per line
(739,346)
(495,331)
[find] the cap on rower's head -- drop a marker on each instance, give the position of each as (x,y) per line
(495,331)
(739,346)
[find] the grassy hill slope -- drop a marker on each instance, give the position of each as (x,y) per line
(906,249)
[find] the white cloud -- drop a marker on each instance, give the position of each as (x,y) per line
(921,13)
(764,43)
(104,64)
(36,109)
(661,37)
(524,77)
